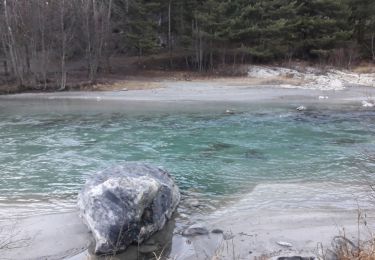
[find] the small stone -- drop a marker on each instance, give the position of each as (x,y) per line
(193,203)
(182,215)
(284,244)
(217,231)
(229,112)
(195,230)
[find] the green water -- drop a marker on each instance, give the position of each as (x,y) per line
(49,148)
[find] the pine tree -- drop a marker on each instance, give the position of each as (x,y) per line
(319,26)
(362,16)
(137,23)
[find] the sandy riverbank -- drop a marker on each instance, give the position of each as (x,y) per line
(210,91)
(252,227)
(261,83)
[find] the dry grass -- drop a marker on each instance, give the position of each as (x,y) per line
(362,248)
(8,89)
(365,68)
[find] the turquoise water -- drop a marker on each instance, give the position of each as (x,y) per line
(49,148)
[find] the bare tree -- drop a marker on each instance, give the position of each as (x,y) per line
(97,15)
(169,33)
(373,46)
(9,38)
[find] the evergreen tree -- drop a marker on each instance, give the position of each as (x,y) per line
(319,26)
(137,23)
(362,16)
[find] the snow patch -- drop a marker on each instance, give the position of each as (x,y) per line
(313,78)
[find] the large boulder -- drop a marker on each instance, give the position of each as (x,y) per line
(127,204)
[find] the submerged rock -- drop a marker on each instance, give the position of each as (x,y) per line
(343,141)
(255,154)
(127,204)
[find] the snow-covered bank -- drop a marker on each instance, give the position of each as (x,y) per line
(313,78)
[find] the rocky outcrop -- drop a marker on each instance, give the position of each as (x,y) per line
(127,204)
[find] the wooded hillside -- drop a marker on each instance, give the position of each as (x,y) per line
(40,38)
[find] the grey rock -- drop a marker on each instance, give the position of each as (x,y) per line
(229,112)
(195,230)
(127,204)
(193,203)
(146,249)
(284,244)
(217,231)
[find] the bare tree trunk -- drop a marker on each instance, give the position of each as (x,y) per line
(373,46)
(63,45)
(5,64)
(211,52)
(194,36)
(200,51)
(44,57)
(97,30)
(27,60)
(224,53)
(108,36)
(169,34)
(94,56)
(12,46)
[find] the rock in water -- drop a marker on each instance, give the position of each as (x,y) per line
(301,108)
(127,204)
